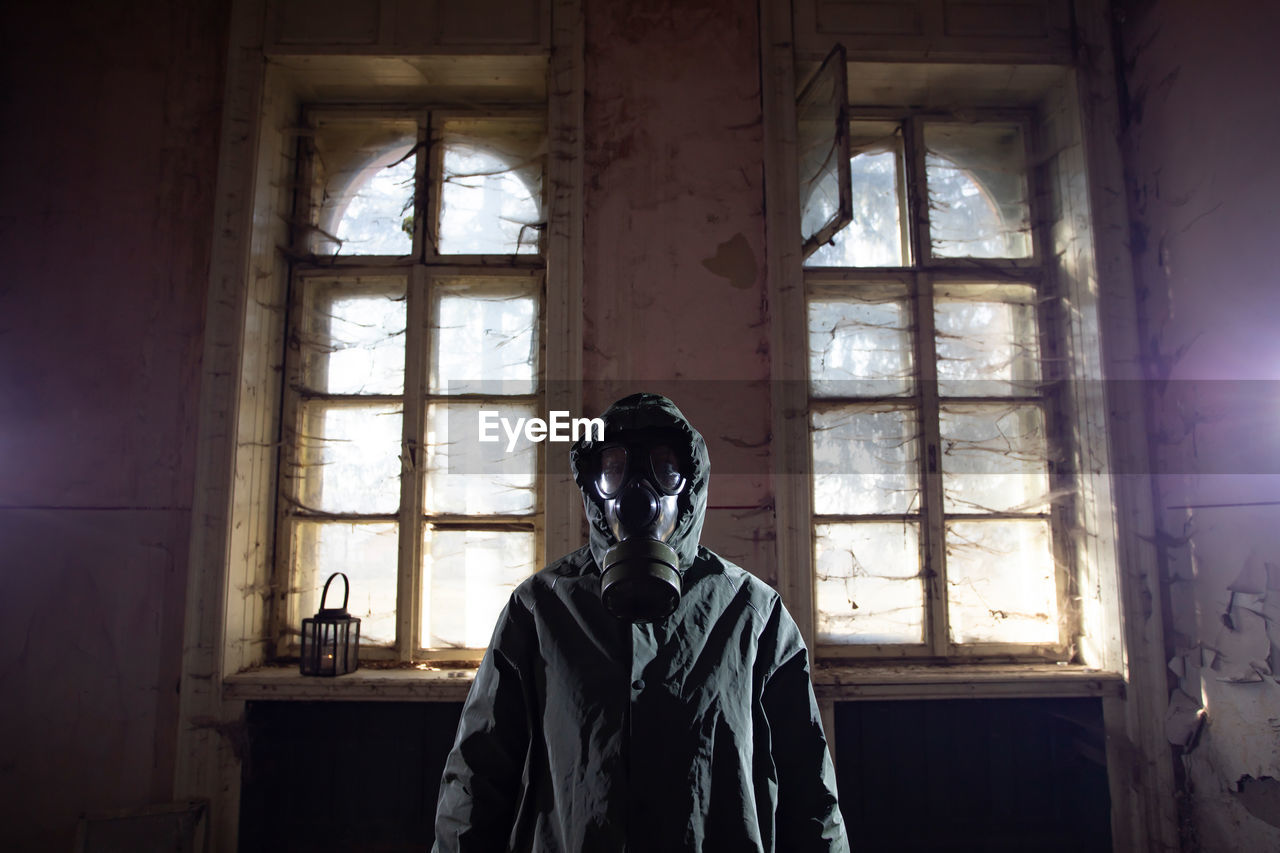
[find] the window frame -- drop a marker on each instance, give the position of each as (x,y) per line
(421,269)
(918,277)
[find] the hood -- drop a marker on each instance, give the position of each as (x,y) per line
(647,411)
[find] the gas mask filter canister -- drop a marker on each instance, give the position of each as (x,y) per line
(639,483)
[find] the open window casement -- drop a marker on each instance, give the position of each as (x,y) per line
(822,140)
(942,481)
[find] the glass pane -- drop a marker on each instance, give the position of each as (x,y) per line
(994,459)
(874,236)
(468,476)
(484,337)
(822,142)
(1001,584)
(362,187)
(977,178)
(352,335)
(366,554)
(491,191)
(869,588)
(860,347)
(864,461)
(987,341)
(349,458)
(468,575)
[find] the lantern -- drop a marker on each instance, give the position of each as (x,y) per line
(331,638)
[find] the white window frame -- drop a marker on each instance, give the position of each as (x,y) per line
(918,277)
(1092,549)
(420,269)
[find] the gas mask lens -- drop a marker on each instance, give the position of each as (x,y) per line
(666,469)
(616,463)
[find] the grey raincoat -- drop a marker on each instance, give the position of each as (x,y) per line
(696,733)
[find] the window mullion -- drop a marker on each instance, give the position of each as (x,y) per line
(422,196)
(933,532)
(434,163)
(918,195)
(932,538)
(413,454)
(413,458)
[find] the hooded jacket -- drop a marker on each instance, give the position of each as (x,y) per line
(699,732)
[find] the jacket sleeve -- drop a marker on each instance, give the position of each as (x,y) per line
(482,783)
(808,814)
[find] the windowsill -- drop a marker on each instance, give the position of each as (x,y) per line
(385,685)
(962,681)
(831,681)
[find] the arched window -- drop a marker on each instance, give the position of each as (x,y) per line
(374,212)
(489,198)
(485,201)
(976,174)
(977,202)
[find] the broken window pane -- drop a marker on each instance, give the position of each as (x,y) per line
(976,174)
(860,346)
(352,335)
(822,141)
(366,553)
(874,237)
(1001,582)
(468,575)
(467,476)
(362,187)
(484,337)
(868,584)
(987,343)
(491,189)
(349,457)
(994,458)
(864,460)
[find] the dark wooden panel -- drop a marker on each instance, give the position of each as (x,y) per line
(490,22)
(400,27)
(309,22)
(343,776)
(997,20)
(885,17)
(1035,31)
(974,775)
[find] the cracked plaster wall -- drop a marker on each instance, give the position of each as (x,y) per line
(1204,184)
(674,251)
(109,153)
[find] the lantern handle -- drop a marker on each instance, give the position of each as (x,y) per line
(346,590)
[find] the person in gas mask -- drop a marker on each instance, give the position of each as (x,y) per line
(641,693)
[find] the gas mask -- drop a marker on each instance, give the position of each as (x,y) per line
(639,479)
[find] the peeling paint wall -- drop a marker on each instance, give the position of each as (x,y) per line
(111,117)
(674,251)
(1204,183)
